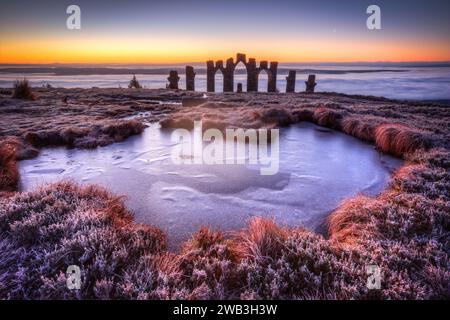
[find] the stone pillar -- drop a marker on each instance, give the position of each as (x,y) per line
(252,76)
(272,84)
(239,87)
(240,57)
(190,78)
(311,83)
(210,76)
(173,79)
(290,82)
(228,76)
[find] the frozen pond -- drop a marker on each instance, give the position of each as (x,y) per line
(318,169)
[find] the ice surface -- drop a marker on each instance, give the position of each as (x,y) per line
(317,171)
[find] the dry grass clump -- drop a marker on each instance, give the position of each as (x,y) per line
(328,118)
(45,231)
(9,172)
(96,134)
(398,139)
(23,150)
(348,223)
(22,90)
(262,239)
(279,116)
(358,128)
(203,239)
(303,114)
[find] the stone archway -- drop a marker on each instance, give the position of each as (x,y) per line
(252,73)
(272,71)
(240,76)
(218,80)
(263,80)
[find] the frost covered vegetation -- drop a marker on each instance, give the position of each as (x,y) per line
(83,118)
(94,135)
(404,230)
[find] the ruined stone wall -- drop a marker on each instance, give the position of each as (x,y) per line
(252,73)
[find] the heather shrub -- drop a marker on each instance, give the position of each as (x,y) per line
(307,267)
(143,278)
(65,224)
(432,182)
(45,231)
(436,157)
(208,266)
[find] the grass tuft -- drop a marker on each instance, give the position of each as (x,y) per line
(9,172)
(398,140)
(360,129)
(261,239)
(22,90)
(328,118)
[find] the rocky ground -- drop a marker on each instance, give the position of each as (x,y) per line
(404,230)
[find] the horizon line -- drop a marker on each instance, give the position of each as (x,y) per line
(199,62)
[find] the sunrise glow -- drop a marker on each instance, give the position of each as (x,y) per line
(149,32)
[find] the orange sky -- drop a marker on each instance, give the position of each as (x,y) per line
(157,31)
(135,50)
